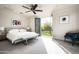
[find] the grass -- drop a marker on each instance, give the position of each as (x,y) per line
(46,33)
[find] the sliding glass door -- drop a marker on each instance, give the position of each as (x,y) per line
(46,26)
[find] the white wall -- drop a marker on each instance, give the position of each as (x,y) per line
(7,15)
(59,30)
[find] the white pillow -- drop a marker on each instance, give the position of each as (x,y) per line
(14,30)
(22,30)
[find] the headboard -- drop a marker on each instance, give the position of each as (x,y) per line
(10,28)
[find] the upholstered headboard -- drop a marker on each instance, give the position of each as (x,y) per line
(10,28)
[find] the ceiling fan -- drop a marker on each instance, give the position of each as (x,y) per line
(32,8)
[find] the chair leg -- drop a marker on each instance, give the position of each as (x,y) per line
(65,39)
(73,42)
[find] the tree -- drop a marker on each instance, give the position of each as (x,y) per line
(47,27)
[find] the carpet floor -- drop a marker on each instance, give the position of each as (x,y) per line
(33,47)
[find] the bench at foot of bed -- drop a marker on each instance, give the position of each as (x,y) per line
(25,42)
(22,41)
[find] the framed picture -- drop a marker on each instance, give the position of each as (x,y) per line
(16,22)
(64,19)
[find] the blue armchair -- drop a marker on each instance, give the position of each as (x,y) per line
(72,36)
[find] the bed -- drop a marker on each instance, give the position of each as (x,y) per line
(18,35)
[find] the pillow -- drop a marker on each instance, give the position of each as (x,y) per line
(22,30)
(14,30)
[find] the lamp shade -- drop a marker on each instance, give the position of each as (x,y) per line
(2,28)
(28,28)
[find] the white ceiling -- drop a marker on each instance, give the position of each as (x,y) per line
(47,9)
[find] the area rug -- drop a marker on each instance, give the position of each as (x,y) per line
(34,47)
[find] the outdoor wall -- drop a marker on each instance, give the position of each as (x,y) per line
(60,29)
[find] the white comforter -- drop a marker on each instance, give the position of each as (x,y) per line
(13,36)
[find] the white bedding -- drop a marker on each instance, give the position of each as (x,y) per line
(16,35)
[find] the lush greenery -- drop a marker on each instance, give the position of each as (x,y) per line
(46,33)
(46,29)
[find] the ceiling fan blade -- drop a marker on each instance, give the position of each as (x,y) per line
(34,12)
(34,7)
(27,11)
(26,7)
(39,10)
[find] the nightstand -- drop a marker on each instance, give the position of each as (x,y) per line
(2,36)
(29,30)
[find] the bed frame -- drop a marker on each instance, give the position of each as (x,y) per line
(21,40)
(10,28)
(17,41)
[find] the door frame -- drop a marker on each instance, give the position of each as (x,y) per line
(39,25)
